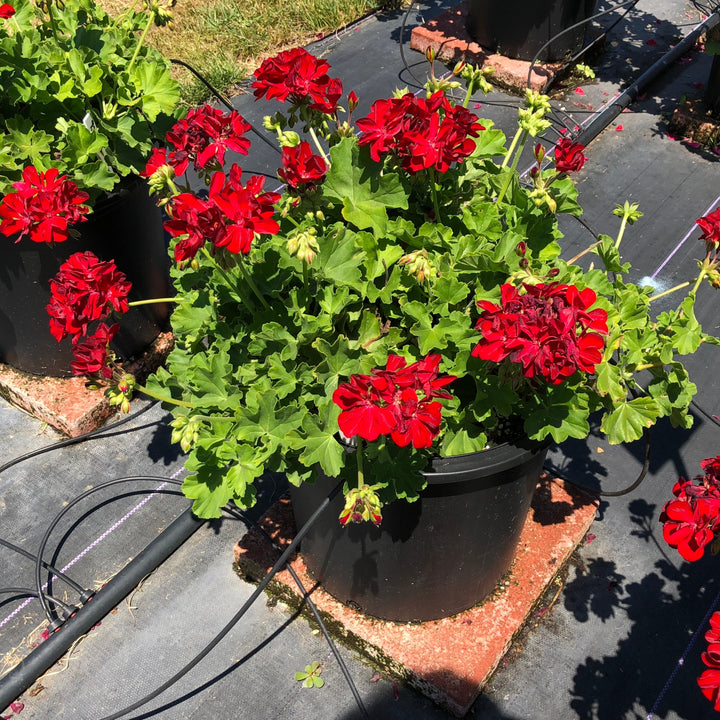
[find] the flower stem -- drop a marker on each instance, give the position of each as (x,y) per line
(305,279)
(232,286)
(136,303)
(671,290)
(514,164)
(621,232)
(433,192)
(251,283)
(588,249)
(512,147)
(141,42)
(318,145)
(359,456)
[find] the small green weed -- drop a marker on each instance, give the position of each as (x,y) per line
(311,676)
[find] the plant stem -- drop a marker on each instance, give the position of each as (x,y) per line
(172,401)
(141,42)
(136,303)
(433,192)
(588,249)
(512,147)
(621,232)
(515,162)
(671,290)
(359,455)
(305,279)
(232,286)
(469,93)
(318,145)
(253,286)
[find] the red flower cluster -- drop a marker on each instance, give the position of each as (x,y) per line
(709,681)
(421,132)
(300,76)
(204,134)
(398,401)
(91,355)
(43,205)
(301,168)
(85,289)
(689,522)
(230,217)
(569,156)
(6,11)
(549,330)
(710,226)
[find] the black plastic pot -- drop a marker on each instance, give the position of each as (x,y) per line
(432,558)
(519,28)
(125,226)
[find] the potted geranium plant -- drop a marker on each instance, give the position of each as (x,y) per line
(399,309)
(84,101)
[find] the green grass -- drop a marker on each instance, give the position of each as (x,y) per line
(225,40)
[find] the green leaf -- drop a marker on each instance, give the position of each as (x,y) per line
(321,446)
(356,181)
(207,487)
(489,143)
(158,91)
(82,144)
(626,422)
(563,413)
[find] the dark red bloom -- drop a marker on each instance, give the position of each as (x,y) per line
(549,330)
(397,401)
(42,205)
(205,134)
(6,11)
(690,521)
(301,168)
(300,77)
(710,226)
(422,132)
(85,289)
(230,217)
(569,156)
(158,159)
(91,355)
(709,681)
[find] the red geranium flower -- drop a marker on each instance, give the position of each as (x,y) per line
(423,132)
(301,168)
(6,11)
(710,226)
(85,289)
(299,76)
(569,156)
(205,134)
(91,355)
(549,330)
(397,401)
(43,205)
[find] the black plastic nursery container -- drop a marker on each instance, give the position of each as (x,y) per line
(520,28)
(126,227)
(432,558)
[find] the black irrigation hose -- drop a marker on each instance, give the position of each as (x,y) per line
(68,610)
(84,593)
(534,61)
(21,677)
(75,440)
(281,561)
(323,628)
(41,549)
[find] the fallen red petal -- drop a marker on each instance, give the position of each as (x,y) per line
(651,42)
(618,128)
(579,91)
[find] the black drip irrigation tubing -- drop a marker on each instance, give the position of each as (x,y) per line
(630,93)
